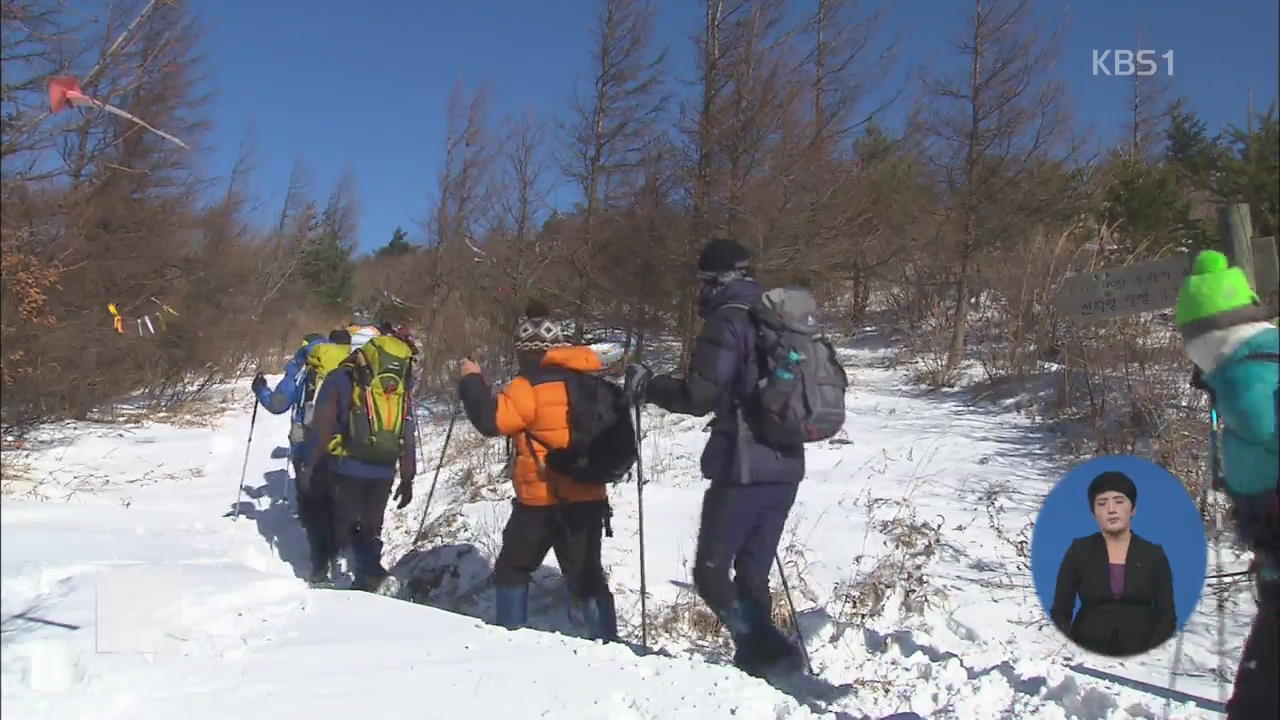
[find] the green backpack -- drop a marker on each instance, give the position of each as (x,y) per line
(380,372)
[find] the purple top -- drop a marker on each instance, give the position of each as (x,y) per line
(1117,579)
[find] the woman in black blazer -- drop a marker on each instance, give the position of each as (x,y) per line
(1124,583)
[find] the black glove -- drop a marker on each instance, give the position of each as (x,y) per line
(404,493)
(637,379)
(259,382)
(1197,382)
(304,479)
(1197,379)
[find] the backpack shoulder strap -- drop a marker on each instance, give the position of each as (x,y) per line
(534,437)
(541,469)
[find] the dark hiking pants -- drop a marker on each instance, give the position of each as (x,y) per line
(741,528)
(1255,694)
(573,530)
(315,513)
(358,507)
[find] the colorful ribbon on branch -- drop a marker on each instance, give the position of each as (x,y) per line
(144,323)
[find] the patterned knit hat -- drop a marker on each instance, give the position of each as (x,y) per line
(536,330)
(1216,296)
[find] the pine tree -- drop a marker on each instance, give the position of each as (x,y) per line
(326,262)
(1250,171)
(398,246)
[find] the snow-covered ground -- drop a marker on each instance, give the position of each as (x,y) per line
(128,591)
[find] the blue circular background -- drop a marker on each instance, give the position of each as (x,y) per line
(1166,516)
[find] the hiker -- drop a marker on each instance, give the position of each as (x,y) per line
(295,391)
(402,332)
(361,331)
(1227,332)
(361,428)
(550,510)
(753,485)
(1123,582)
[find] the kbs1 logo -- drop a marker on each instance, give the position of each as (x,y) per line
(1123,63)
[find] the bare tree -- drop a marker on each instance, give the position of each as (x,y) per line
(523,254)
(613,123)
(845,65)
(990,125)
(1149,106)
(463,181)
(464,197)
(722,125)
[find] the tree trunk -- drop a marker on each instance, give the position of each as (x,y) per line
(688,317)
(955,353)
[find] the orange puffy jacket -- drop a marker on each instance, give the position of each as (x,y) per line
(536,401)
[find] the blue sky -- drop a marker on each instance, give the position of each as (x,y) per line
(1166,516)
(365,85)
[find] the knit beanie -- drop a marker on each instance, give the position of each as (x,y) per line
(536,330)
(1113,480)
(722,256)
(1216,296)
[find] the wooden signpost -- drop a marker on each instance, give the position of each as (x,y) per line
(1153,285)
(1125,290)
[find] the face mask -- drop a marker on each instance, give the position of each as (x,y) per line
(707,290)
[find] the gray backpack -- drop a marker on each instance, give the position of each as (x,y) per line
(802,385)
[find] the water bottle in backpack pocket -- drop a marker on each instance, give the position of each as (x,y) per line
(802,385)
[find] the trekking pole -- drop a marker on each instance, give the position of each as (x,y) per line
(253,419)
(1215,460)
(644,613)
(448,434)
(1203,509)
(786,590)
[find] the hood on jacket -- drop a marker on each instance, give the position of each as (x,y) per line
(744,291)
(578,357)
(1210,349)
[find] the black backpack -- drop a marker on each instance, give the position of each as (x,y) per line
(802,385)
(602,438)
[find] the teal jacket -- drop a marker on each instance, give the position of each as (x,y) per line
(1244,388)
(1244,392)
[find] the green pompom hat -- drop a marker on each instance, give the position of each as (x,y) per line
(1216,296)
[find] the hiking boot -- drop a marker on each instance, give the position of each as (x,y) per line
(511,605)
(319,573)
(601,617)
(370,581)
(765,654)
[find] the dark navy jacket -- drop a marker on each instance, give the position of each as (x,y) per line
(723,378)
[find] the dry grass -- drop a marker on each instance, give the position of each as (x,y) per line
(900,575)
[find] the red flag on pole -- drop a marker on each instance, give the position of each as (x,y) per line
(65,91)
